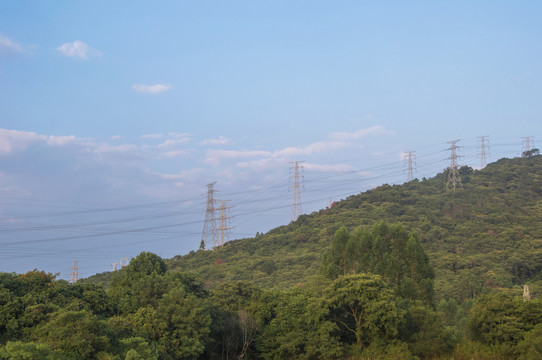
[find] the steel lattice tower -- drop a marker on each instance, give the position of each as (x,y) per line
(453,173)
(526,143)
(296,200)
(409,165)
(223,231)
(75,272)
(208,236)
(483,152)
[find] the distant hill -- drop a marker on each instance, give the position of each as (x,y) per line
(486,234)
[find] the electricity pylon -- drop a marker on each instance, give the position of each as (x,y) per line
(483,152)
(453,173)
(296,200)
(410,162)
(75,272)
(208,236)
(527,142)
(223,230)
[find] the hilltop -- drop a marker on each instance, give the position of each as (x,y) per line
(486,234)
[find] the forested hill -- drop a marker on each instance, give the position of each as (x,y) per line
(486,234)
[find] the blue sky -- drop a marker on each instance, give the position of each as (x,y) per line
(114,116)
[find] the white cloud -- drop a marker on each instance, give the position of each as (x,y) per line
(328,167)
(116,137)
(317,147)
(214,156)
(173,142)
(78,49)
(152,136)
(221,140)
(8,46)
(124,150)
(356,135)
(60,140)
(175,153)
(179,135)
(262,164)
(184,175)
(12,140)
(151,89)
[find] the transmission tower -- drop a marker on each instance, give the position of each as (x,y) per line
(527,142)
(75,272)
(223,231)
(296,200)
(453,173)
(208,236)
(124,261)
(409,164)
(483,147)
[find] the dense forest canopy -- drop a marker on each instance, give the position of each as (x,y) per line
(406,271)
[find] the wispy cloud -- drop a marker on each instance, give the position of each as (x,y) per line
(214,156)
(221,140)
(151,89)
(13,140)
(356,135)
(60,140)
(152,136)
(8,46)
(78,49)
(327,167)
(317,147)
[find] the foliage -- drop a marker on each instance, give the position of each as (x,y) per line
(389,251)
(364,306)
(78,334)
(300,329)
(444,282)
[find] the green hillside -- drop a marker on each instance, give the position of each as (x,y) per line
(486,234)
(351,282)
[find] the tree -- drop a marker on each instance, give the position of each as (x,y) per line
(75,333)
(425,333)
(498,319)
(364,306)
(139,284)
(389,251)
(300,329)
(531,346)
(187,324)
(18,350)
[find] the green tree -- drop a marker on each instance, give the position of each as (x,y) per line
(364,306)
(425,333)
(18,350)
(139,284)
(530,347)
(300,329)
(389,251)
(75,333)
(501,319)
(187,322)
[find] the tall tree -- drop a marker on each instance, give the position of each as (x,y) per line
(364,306)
